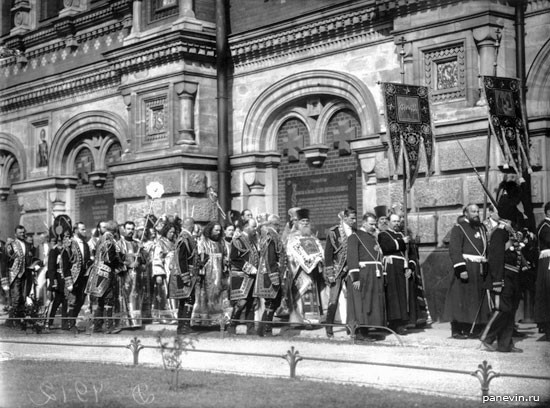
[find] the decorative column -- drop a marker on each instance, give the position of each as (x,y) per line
(255,180)
(186,19)
(22,21)
(129,99)
(367,150)
(486,42)
(187,93)
(186,9)
(136,18)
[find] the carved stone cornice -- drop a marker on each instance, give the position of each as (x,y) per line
(69,87)
(170,47)
(174,46)
(310,36)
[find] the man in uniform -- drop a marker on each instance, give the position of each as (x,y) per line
(336,268)
(183,275)
(465,304)
(19,259)
(76,277)
(305,255)
(268,280)
(245,259)
(394,246)
(542,296)
(366,300)
(504,267)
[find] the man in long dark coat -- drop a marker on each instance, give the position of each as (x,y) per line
(465,302)
(244,259)
(366,303)
(394,244)
(76,276)
(184,274)
(269,277)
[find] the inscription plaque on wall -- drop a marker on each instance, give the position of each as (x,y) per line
(325,195)
(94,209)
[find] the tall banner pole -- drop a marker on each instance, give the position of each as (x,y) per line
(404,167)
(403,155)
(488,153)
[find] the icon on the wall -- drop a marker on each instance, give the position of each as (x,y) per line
(42,154)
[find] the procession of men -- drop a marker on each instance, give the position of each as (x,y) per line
(252,271)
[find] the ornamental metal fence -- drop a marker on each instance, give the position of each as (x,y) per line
(484,371)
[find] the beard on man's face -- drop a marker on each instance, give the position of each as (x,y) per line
(475,221)
(305,230)
(215,236)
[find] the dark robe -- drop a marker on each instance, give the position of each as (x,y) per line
(184,268)
(366,305)
(467,249)
(244,258)
(393,247)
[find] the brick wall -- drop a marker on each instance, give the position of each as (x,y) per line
(250,14)
(205,10)
(326,208)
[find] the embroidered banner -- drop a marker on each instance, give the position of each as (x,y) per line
(506,120)
(409,126)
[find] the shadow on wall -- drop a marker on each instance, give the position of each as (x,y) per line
(436,267)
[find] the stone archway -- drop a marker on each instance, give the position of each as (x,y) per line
(93,121)
(267,106)
(89,157)
(538,107)
(12,170)
(83,148)
(538,83)
(314,100)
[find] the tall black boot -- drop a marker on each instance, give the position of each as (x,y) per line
(99,323)
(331,313)
(249,316)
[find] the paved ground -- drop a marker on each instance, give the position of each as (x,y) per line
(428,348)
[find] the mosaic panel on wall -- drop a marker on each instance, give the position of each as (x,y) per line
(155,120)
(445,72)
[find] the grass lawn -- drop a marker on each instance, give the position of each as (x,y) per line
(77,384)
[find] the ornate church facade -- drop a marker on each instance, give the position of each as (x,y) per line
(100,97)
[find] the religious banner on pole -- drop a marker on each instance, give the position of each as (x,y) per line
(506,121)
(409,126)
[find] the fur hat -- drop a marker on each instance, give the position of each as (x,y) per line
(302,213)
